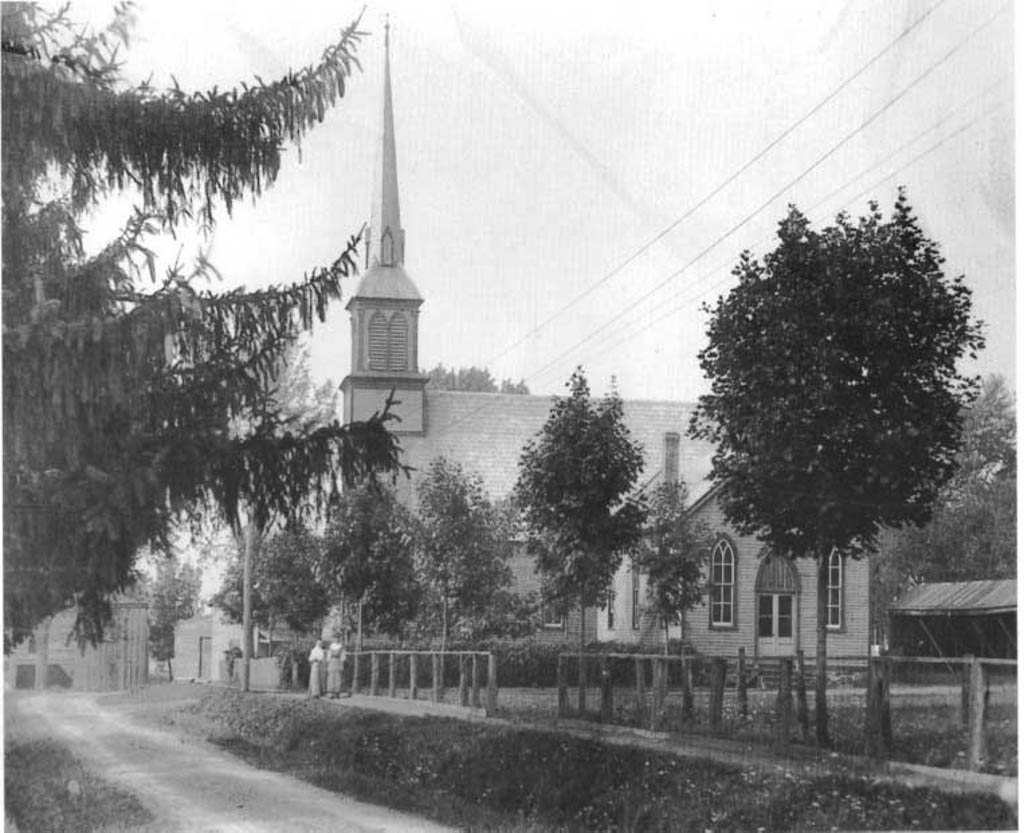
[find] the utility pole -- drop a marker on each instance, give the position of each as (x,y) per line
(249,552)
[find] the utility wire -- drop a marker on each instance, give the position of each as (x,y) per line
(712,194)
(813,166)
(873,166)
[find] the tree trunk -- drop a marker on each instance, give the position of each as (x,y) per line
(444,624)
(249,552)
(821,656)
(664,621)
(582,698)
(42,637)
(170,672)
(359,628)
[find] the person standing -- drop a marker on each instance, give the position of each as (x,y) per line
(316,664)
(335,664)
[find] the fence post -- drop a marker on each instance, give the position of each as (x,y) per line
(976,726)
(412,676)
(717,693)
(476,681)
(878,721)
(463,682)
(374,674)
(802,716)
(435,677)
(657,692)
(582,680)
(641,694)
(687,687)
(606,692)
(784,704)
(492,683)
(392,682)
(965,691)
(741,681)
(354,687)
(563,687)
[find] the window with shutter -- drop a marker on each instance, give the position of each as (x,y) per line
(378,342)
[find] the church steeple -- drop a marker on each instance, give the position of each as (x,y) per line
(385,307)
(386,238)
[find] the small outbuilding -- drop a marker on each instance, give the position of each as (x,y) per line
(955,618)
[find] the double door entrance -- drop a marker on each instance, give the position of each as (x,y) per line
(775,624)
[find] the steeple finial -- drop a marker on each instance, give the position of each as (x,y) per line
(386,242)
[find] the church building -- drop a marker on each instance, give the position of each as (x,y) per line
(762,603)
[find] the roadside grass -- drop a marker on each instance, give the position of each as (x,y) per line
(485,777)
(47,789)
(926,730)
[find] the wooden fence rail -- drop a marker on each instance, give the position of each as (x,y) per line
(469,675)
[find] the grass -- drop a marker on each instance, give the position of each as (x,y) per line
(47,789)
(926,729)
(481,776)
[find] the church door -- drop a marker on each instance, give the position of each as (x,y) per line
(775,624)
(776,591)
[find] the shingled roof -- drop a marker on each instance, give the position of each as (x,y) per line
(486,432)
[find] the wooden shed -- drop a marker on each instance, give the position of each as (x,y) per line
(955,618)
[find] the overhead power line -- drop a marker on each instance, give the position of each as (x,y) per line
(813,166)
(723,185)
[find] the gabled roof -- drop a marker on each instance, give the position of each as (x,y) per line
(486,433)
(959,598)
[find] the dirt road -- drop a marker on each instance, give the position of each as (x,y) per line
(194,787)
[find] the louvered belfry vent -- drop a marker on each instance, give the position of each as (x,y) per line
(378,342)
(398,342)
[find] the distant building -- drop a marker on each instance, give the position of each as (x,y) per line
(52,658)
(766,606)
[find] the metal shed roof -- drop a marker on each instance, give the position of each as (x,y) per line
(959,598)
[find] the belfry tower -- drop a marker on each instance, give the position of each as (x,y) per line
(385,307)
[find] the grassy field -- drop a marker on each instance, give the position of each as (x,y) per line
(926,722)
(485,777)
(47,789)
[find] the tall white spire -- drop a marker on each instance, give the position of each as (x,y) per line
(386,238)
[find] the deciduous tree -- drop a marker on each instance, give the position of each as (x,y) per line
(173,595)
(575,485)
(368,558)
(463,551)
(121,385)
(673,554)
(836,401)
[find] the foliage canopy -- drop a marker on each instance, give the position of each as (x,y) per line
(123,387)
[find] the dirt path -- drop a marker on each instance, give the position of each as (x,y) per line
(192,787)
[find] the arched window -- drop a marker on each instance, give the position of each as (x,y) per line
(635,597)
(398,343)
(387,248)
(723,584)
(378,342)
(834,602)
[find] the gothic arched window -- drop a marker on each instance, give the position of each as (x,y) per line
(723,584)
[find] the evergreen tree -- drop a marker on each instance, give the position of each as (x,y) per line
(836,403)
(123,389)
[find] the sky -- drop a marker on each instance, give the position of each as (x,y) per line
(577,180)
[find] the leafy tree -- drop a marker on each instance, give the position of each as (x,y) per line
(173,595)
(973,532)
(122,385)
(673,554)
(368,558)
(476,379)
(835,402)
(463,548)
(574,488)
(286,586)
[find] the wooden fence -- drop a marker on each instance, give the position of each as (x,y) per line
(391,664)
(650,677)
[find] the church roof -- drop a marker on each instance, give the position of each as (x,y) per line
(390,282)
(486,432)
